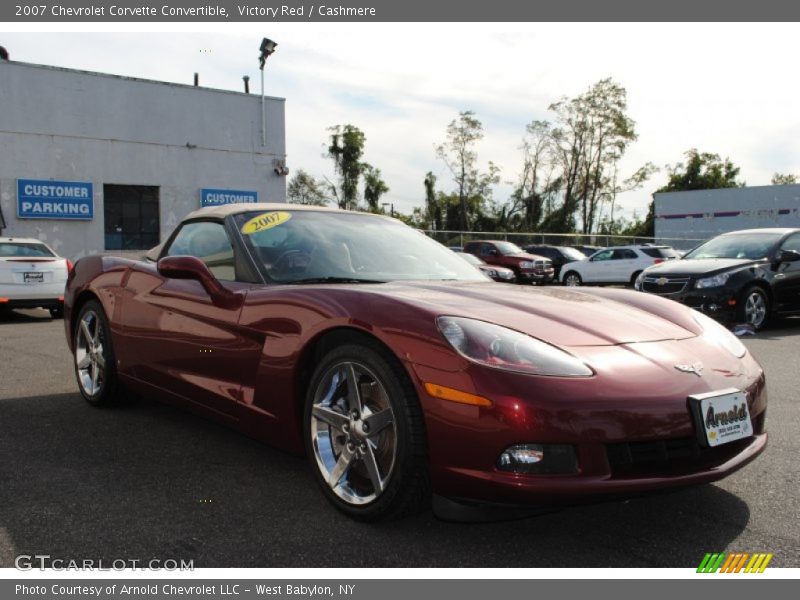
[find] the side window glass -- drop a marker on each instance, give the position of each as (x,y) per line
(209,242)
(792,243)
(604,255)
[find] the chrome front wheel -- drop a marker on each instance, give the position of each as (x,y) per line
(90,360)
(95,367)
(353,432)
(364,431)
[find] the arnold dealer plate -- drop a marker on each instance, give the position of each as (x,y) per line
(721,417)
(32,277)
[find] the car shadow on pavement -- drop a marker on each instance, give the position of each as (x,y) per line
(151,481)
(779,328)
(28,315)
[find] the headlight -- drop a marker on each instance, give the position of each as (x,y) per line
(715,281)
(492,273)
(719,335)
(506,274)
(638,283)
(509,350)
(526,264)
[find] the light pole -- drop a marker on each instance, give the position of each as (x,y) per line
(267,47)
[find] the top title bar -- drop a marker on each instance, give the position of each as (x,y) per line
(398,10)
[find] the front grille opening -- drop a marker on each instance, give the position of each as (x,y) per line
(665,456)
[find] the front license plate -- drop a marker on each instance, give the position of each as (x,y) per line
(722,417)
(30,277)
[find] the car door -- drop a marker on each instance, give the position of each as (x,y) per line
(786,286)
(175,337)
(623,264)
(598,268)
(489,254)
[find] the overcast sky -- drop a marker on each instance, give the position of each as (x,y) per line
(729,89)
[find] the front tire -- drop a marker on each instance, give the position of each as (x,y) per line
(754,307)
(95,367)
(572,279)
(365,435)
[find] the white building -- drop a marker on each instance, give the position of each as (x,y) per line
(702,214)
(95,163)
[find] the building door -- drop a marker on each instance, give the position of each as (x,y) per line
(131,216)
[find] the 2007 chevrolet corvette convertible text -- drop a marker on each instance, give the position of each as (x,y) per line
(402,371)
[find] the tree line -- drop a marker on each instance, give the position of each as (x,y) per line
(568,179)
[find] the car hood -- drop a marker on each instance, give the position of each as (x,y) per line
(560,316)
(525,256)
(701,266)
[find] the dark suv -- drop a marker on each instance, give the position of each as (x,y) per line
(558,255)
(528,268)
(742,276)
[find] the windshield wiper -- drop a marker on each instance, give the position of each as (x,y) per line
(331,280)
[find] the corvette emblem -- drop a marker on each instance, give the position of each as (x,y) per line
(696,368)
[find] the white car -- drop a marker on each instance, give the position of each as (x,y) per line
(32,275)
(619,264)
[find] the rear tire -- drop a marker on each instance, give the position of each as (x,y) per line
(572,279)
(94,362)
(370,467)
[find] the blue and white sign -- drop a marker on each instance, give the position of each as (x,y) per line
(45,199)
(210,197)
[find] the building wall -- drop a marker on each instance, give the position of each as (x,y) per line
(702,214)
(64,125)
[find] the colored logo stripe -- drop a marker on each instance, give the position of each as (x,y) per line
(734,563)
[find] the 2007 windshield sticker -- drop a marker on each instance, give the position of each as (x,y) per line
(265,221)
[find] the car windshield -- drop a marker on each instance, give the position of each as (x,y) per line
(507,248)
(14,249)
(572,253)
(330,247)
(750,245)
(470,258)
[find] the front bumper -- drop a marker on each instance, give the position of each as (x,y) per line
(718,303)
(630,402)
(535,276)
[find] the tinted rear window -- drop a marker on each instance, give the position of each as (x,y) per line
(11,249)
(660,252)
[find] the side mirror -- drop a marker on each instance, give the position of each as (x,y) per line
(493,252)
(788,256)
(189,267)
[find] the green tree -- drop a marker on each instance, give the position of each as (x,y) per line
(458,153)
(783,179)
(702,171)
(433,208)
(305,189)
(346,149)
(374,187)
(590,136)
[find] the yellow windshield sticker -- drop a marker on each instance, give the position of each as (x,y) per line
(265,221)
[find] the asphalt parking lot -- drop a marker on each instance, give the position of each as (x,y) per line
(150,481)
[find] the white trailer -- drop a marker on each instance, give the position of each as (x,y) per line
(702,214)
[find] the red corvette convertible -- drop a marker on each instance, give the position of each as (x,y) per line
(402,372)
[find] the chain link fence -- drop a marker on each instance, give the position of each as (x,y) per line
(459,238)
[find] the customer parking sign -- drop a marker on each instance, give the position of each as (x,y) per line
(46,199)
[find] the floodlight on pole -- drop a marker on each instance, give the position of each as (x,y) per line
(266,49)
